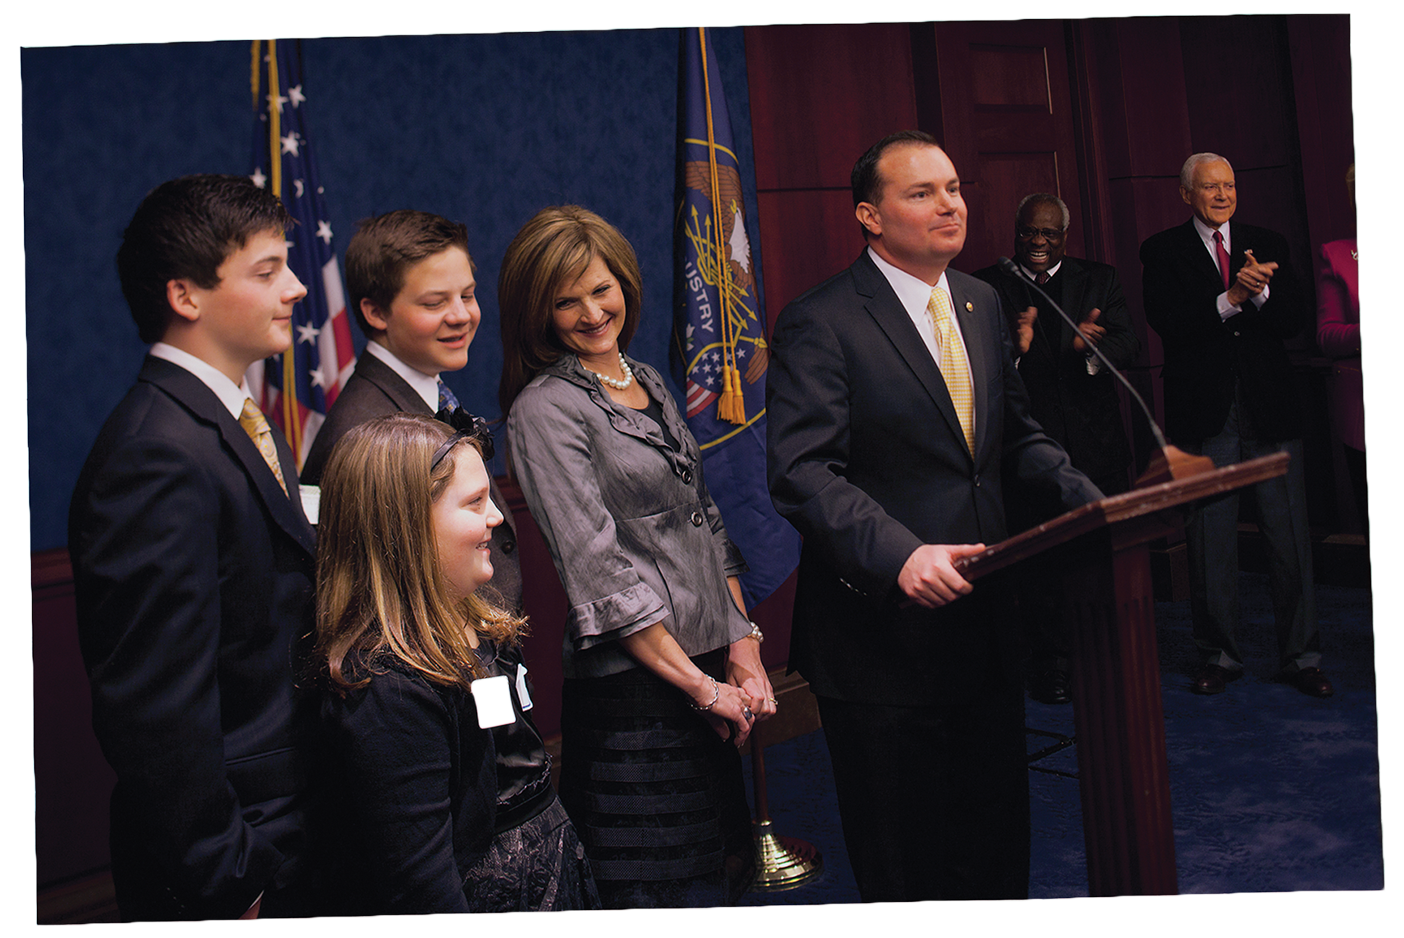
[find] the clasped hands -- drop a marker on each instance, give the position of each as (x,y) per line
(1252,278)
(746,698)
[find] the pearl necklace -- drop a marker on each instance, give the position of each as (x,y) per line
(615,383)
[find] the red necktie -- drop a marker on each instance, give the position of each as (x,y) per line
(1223,258)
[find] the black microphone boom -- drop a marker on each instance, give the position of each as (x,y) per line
(1169,462)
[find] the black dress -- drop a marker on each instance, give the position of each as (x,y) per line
(424,818)
(657,794)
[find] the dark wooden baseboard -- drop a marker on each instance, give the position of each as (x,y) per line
(79,901)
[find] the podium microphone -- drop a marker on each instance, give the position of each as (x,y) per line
(1168,462)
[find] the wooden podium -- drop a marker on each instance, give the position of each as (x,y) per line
(1101,551)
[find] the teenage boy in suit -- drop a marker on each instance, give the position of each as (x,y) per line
(193,567)
(412,289)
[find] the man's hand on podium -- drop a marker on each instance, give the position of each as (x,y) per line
(928,577)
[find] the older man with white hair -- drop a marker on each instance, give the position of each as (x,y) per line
(1223,297)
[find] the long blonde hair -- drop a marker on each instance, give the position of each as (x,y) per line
(380,589)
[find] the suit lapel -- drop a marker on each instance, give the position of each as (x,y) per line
(887,311)
(975,321)
(1243,240)
(394,387)
(206,407)
(397,389)
(1200,258)
(1074,286)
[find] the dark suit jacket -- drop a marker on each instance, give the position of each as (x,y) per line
(194,576)
(374,390)
(1204,355)
(867,460)
(1081,411)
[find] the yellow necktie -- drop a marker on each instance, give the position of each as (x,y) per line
(254,424)
(955,367)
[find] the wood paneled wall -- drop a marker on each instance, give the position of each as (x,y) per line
(1102,112)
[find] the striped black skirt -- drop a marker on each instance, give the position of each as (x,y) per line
(656,795)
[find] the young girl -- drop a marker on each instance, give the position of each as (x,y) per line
(417,668)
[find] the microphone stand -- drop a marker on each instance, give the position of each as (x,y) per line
(1168,463)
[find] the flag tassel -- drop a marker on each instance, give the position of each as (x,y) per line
(731,406)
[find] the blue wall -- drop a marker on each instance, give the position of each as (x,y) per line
(483,129)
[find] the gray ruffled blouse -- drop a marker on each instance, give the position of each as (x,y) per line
(631,528)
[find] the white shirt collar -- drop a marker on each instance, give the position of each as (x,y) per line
(231,395)
(914,293)
(1034,276)
(1206,234)
(426,386)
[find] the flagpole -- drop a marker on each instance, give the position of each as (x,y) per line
(297,394)
(292,427)
(731,406)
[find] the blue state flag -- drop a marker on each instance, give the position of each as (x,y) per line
(720,353)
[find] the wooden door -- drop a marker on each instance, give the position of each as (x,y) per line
(998,98)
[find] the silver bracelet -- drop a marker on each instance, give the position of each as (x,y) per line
(716,694)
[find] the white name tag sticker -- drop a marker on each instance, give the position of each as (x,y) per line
(523,694)
(311,501)
(493,695)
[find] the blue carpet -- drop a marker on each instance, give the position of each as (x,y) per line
(1271,790)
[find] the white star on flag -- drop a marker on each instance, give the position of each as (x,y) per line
(317,380)
(290,144)
(258,178)
(295,95)
(324,231)
(308,333)
(297,187)
(276,101)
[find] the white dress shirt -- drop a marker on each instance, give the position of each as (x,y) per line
(426,386)
(1094,364)
(231,395)
(914,293)
(1206,235)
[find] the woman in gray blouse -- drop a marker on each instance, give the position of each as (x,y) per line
(663,670)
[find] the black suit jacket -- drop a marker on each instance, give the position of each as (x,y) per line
(1081,411)
(1205,355)
(867,460)
(374,390)
(194,576)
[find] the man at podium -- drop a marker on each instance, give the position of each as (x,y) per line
(896,418)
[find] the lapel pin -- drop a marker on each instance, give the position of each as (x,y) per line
(969,306)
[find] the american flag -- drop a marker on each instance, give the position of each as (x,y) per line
(322,355)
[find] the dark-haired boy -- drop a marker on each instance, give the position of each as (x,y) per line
(194,570)
(411,285)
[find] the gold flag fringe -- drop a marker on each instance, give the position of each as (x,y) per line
(292,426)
(731,405)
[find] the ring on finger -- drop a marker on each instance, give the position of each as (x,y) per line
(749,715)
